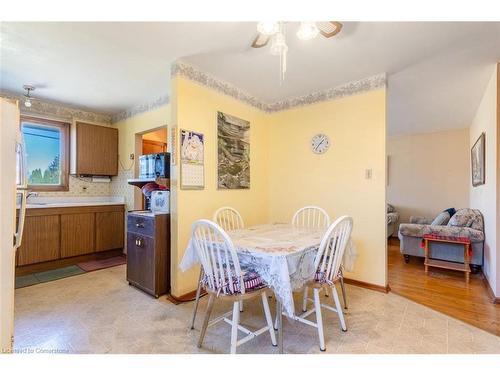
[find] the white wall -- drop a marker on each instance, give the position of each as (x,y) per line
(428,172)
(484,197)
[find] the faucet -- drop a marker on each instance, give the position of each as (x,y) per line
(31,194)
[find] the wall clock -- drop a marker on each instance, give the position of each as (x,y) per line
(320,143)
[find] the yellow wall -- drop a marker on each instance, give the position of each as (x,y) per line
(285,174)
(195,107)
(335,180)
(127,128)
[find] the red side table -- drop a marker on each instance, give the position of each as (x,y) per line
(429,238)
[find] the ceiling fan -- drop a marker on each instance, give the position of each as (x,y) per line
(307,30)
(276,33)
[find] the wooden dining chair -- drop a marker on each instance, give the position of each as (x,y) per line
(311,217)
(225,280)
(328,263)
(314,217)
(228,219)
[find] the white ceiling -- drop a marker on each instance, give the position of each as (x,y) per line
(437,71)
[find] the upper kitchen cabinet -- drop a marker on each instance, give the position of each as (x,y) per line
(94,150)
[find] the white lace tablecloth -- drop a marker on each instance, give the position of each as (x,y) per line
(280,253)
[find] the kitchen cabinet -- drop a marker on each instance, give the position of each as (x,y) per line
(148,252)
(94,150)
(77,234)
(110,230)
(60,236)
(42,243)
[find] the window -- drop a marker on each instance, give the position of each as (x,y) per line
(47,153)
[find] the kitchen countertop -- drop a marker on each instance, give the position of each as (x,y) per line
(51,202)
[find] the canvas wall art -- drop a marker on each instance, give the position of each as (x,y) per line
(477,161)
(233,150)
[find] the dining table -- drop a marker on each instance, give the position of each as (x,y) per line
(282,254)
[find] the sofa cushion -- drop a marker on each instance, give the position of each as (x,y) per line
(451,211)
(419,230)
(467,217)
(441,219)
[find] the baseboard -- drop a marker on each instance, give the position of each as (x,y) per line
(494,299)
(366,285)
(188,297)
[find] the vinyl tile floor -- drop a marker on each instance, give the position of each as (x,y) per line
(99,312)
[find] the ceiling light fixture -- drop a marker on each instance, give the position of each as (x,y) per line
(279,48)
(268,28)
(307,31)
(27,96)
(275,32)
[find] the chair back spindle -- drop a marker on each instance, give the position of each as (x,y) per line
(218,258)
(331,250)
(228,218)
(311,217)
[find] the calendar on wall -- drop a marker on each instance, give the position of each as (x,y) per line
(192,150)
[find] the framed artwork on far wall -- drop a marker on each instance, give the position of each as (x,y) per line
(233,152)
(477,161)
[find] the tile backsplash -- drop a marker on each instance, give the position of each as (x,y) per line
(81,187)
(120,188)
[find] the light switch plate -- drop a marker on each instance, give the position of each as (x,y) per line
(368,174)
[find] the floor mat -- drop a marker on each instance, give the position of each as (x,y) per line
(59,273)
(94,265)
(27,280)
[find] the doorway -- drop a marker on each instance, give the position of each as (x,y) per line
(151,141)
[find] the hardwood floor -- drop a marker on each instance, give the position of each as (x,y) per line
(443,290)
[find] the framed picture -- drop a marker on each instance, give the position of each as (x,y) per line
(192,150)
(233,152)
(477,161)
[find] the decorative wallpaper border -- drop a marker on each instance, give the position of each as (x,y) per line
(144,107)
(188,71)
(52,109)
(182,69)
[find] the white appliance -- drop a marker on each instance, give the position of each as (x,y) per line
(160,201)
(13,194)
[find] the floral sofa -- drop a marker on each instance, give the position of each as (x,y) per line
(465,222)
(392,220)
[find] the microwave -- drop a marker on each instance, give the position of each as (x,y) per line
(154,165)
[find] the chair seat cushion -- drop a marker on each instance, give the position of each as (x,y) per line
(251,280)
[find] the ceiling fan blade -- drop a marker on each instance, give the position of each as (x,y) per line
(260,40)
(329,29)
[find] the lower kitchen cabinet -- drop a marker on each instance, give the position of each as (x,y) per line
(148,252)
(54,235)
(42,243)
(77,234)
(108,235)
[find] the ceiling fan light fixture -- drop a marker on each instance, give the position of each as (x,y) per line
(268,28)
(278,45)
(307,31)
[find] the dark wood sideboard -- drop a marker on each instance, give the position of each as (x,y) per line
(148,252)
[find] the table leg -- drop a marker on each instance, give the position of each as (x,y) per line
(426,249)
(467,261)
(279,315)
